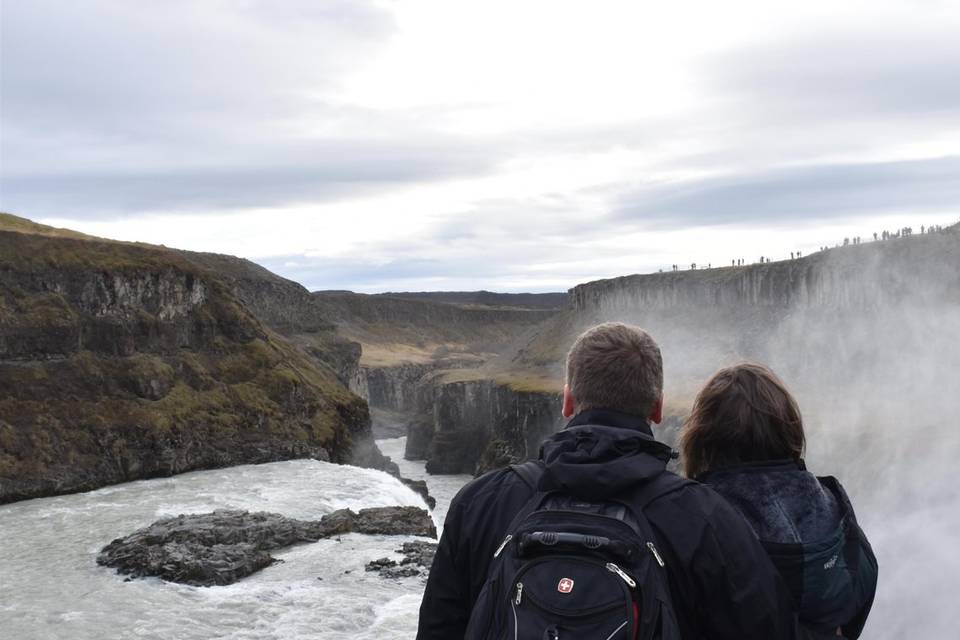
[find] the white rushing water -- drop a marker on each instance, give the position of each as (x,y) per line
(51,586)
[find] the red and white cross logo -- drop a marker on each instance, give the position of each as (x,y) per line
(565,585)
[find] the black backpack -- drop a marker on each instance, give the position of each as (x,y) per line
(570,569)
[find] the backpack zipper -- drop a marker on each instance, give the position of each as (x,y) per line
(519,593)
(656,554)
(502,545)
(623,574)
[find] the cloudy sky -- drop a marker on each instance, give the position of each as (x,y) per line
(513,146)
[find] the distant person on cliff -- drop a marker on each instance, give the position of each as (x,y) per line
(744,438)
(700,559)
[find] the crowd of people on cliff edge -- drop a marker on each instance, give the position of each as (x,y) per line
(598,539)
(903,232)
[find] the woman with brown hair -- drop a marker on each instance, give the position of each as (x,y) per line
(745,439)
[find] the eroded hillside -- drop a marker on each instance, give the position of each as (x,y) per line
(121,361)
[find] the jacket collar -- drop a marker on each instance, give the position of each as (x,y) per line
(611,418)
(762,466)
(601,453)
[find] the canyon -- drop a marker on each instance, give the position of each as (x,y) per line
(120,361)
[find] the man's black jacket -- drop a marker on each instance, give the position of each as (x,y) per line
(722,583)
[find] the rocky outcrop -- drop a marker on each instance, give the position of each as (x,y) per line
(417,560)
(224,546)
(123,361)
(391,521)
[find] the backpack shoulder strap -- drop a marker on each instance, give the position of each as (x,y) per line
(530,472)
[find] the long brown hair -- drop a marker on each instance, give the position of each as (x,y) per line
(743,414)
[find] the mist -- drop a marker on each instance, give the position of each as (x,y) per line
(867,338)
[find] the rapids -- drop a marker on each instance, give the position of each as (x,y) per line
(51,586)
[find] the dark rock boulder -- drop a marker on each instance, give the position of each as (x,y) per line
(417,560)
(224,546)
(409,521)
(420,487)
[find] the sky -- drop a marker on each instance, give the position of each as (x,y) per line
(414,145)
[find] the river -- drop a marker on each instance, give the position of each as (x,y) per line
(51,586)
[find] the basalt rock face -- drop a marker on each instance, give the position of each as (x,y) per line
(287,308)
(412,343)
(804,315)
(399,388)
(865,276)
(402,398)
(840,319)
(123,361)
(292,311)
(222,547)
(481,425)
(462,426)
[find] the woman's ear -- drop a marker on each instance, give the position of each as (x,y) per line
(568,402)
(656,414)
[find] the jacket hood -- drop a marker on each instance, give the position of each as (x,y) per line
(782,501)
(600,453)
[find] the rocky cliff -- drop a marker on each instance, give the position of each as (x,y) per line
(287,308)
(423,353)
(121,361)
(795,313)
(849,328)
(481,424)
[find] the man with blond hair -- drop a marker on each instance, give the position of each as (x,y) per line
(721,584)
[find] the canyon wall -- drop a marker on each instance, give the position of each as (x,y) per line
(480,425)
(423,372)
(850,329)
(121,361)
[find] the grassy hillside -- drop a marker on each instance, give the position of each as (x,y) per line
(121,361)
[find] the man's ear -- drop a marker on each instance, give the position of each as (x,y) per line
(568,402)
(656,414)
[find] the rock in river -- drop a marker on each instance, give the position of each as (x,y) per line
(417,559)
(224,546)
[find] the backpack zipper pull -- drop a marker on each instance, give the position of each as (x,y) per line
(519,593)
(502,545)
(623,574)
(656,554)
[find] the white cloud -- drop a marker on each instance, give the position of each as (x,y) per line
(491,144)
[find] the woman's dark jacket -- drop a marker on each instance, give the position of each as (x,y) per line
(809,529)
